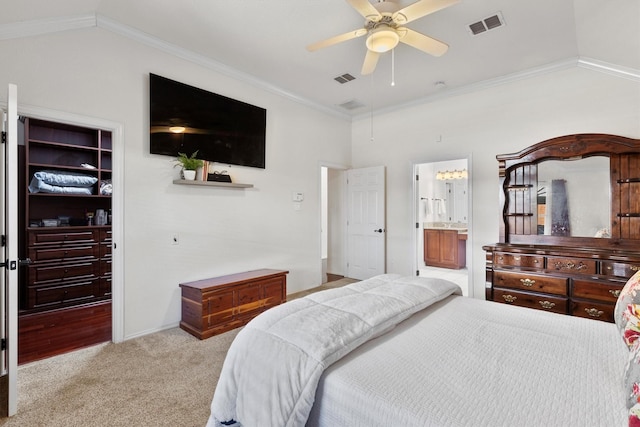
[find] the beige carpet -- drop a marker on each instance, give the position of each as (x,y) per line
(162,379)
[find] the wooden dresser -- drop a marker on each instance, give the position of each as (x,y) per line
(547,257)
(216,305)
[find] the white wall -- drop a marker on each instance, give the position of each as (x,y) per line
(95,73)
(479,126)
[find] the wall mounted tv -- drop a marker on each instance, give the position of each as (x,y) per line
(184,119)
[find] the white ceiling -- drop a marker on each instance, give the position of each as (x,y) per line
(264,42)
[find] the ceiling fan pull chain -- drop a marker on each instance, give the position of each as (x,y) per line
(393,67)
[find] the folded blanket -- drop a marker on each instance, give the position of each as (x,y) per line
(62,182)
(270,375)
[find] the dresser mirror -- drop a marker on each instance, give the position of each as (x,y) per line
(569,225)
(574,197)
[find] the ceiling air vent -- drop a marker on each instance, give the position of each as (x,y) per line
(351,105)
(486,24)
(345,78)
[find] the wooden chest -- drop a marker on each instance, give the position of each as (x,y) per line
(216,305)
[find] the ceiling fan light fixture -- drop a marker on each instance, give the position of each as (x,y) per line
(382,39)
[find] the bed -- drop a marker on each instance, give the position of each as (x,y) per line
(420,354)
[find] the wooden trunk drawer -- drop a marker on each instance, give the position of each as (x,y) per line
(273,292)
(572,265)
(593,310)
(619,269)
(530,282)
(517,260)
(531,300)
(601,291)
(249,299)
(218,307)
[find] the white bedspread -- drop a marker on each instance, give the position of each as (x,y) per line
(270,374)
(468,362)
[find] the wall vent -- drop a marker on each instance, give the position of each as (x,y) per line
(345,78)
(351,105)
(486,24)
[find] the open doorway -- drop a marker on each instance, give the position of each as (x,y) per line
(332,223)
(442,221)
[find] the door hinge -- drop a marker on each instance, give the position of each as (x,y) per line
(4,137)
(417,225)
(3,344)
(417,272)
(417,177)
(3,240)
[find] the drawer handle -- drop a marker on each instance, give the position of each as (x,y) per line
(547,304)
(509,298)
(516,258)
(615,292)
(570,266)
(594,312)
(528,282)
(634,268)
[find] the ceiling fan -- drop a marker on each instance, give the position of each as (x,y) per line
(384,30)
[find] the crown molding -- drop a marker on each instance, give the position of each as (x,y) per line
(611,69)
(482,85)
(587,63)
(39,27)
(58,24)
(196,58)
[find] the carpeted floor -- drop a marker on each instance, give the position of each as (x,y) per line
(162,379)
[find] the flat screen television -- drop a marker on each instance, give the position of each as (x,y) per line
(186,119)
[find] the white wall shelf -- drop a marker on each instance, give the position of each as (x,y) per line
(212,183)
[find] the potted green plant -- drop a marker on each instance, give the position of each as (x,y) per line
(189,165)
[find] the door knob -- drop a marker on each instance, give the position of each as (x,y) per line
(379,230)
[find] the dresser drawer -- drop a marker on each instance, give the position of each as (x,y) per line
(531,300)
(62,293)
(78,270)
(62,237)
(517,260)
(572,265)
(593,310)
(619,269)
(530,282)
(105,267)
(65,253)
(601,291)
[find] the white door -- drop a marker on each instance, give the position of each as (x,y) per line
(9,255)
(366,234)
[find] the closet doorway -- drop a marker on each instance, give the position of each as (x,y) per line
(442,221)
(93,295)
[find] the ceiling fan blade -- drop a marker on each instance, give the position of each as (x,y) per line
(370,62)
(366,9)
(424,43)
(419,9)
(337,39)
